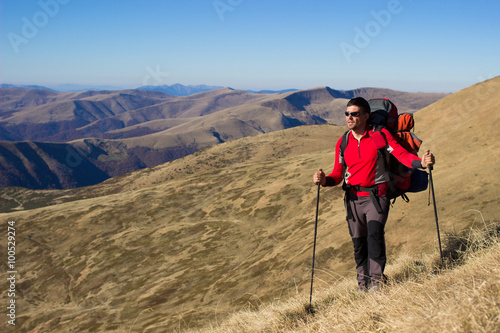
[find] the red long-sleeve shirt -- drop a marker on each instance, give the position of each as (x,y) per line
(363,168)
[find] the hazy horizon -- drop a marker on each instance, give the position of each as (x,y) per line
(67,87)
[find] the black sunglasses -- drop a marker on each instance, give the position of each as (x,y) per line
(354,114)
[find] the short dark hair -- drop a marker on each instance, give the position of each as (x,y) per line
(361,103)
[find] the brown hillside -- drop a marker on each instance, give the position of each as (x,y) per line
(228,227)
(36,114)
(461,130)
(14,98)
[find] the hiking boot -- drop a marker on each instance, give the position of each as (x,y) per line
(362,290)
(376,285)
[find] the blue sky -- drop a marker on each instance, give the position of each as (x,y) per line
(409,45)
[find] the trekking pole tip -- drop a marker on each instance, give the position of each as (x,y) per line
(310,309)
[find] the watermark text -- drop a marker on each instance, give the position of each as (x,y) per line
(363,36)
(11,272)
(223,6)
(31,26)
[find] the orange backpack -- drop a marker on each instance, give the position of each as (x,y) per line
(408,139)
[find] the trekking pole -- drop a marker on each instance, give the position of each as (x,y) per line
(310,309)
(435,213)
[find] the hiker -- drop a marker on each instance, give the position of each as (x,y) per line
(366,186)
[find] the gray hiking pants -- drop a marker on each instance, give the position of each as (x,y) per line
(366,228)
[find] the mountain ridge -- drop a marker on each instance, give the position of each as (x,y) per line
(155,127)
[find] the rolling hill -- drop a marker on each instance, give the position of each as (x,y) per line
(109,133)
(230,226)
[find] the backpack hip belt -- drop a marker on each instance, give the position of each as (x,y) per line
(372,190)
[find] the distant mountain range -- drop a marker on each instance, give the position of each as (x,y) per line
(6,85)
(176,89)
(180,90)
(71,139)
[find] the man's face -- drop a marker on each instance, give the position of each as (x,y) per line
(356,122)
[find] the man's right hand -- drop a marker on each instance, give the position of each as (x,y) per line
(319,177)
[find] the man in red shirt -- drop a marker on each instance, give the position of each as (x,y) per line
(367,182)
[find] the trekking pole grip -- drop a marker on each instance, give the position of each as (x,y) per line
(430,166)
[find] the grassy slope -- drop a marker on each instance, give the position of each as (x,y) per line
(223,229)
(116,255)
(419,298)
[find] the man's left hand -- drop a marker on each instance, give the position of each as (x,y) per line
(428,160)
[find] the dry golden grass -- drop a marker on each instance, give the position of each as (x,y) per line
(421,297)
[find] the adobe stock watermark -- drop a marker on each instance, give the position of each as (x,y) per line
(31,27)
(223,6)
(157,75)
(75,154)
(11,271)
(481,91)
(363,37)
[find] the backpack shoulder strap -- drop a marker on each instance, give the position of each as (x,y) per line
(378,138)
(383,154)
(343,145)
